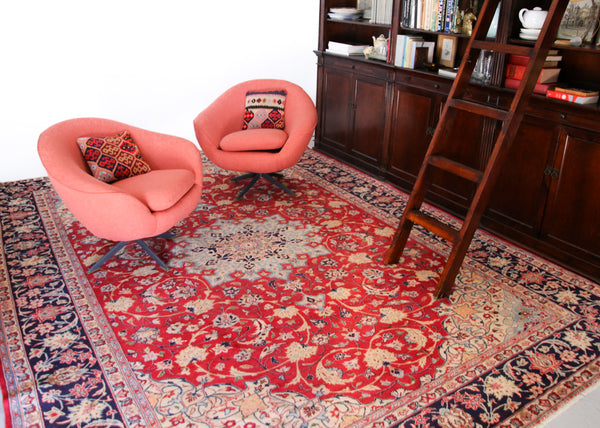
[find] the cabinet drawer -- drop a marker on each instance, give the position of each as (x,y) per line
(572,115)
(370,69)
(432,83)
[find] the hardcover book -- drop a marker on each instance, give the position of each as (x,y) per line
(571,97)
(540,88)
(547,75)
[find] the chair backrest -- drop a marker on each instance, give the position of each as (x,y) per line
(59,152)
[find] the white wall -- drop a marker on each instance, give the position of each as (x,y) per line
(149,63)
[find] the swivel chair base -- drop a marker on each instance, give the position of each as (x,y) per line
(271,177)
(114,250)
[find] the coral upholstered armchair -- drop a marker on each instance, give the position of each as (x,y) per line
(133,208)
(259,127)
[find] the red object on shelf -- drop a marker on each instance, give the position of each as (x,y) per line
(540,88)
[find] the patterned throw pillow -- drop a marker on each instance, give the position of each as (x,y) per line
(264,110)
(113,158)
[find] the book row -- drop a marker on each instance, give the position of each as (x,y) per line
(430,15)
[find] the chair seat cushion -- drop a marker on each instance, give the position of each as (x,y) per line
(254,139)
(159,189)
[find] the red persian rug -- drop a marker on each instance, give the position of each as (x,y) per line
(278,311)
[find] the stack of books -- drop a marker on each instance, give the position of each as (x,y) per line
(430,15)
(413,51)
(382,11)
(345,48)
(574,95)
(548,76)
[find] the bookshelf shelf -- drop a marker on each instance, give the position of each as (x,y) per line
(360,22)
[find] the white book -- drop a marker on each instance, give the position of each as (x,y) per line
(345,48)
(400,45)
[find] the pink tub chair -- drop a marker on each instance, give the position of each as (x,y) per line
(278,140)
(130,209)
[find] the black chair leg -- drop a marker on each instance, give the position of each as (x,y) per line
(152,254)
(270,177)
(114,250)
(244,176)
(255,178)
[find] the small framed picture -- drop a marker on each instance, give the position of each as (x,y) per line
(580,20)
(446,50)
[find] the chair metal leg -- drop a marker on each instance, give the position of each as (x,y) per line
(270,177)
(119,245)
(255,178)
(152,254)
(114,250)
(243,176)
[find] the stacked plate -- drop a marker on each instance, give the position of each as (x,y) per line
(345,13)
(529,33)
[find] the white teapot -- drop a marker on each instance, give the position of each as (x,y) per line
(380,45)
(533,18)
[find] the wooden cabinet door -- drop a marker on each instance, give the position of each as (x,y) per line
(414,115)
(354,113)
(338,95)
(573,211)
(519,196)
(369,124)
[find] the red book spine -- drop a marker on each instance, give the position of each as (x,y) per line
(558,95)
(515,71)
(518,59)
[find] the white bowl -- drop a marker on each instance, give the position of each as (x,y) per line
(530,31)
(345,10)
(528,36)
(344,16)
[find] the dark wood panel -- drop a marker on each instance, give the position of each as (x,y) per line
(574,206)
(412,117)
(519,196)
(369,119)
(335,112)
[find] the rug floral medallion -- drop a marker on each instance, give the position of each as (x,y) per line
(277,311)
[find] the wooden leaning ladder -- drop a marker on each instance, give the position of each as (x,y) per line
(510,120)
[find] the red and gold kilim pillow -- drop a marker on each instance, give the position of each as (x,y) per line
(264,110)
(113,158)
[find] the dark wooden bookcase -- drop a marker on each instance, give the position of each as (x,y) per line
(380,118)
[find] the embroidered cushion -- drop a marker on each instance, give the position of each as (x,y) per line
(264,110)
(112,158)
(254,139)
(159,189)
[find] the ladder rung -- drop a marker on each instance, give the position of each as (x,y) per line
(434,225)
(478,108)
(501,47)
(456,168)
